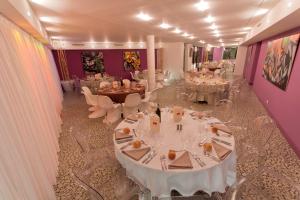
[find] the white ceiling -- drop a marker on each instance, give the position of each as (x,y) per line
(115,20)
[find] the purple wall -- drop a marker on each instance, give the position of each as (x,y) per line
(217,53)
(113,61)
(283,106)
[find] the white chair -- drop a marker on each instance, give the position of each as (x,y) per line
(98,76)
(99,111)
(113,111)
(132,104)
(126,83)
(144,82)
(104,84)
(150,96)
(90,99)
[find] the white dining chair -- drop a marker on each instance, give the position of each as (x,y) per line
(126,83)
(113,111)
(99,110)
(104,84)
(150,96)
(144,82)
(90,99)
(132,104)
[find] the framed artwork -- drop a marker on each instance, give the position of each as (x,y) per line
(279,60)
(132,60)
(92,61)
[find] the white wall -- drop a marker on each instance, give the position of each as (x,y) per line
(173,56)
(240,60)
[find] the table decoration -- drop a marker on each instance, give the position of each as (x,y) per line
(155,123)
(178,113)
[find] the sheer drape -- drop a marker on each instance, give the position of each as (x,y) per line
(30,106)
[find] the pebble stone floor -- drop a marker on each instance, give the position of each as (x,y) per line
(88,169)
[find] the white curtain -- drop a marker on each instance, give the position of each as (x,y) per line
(30,105)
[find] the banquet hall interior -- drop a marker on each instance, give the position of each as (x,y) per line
(149,100)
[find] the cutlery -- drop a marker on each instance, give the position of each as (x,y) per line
(164,161)
(154,154)
(148,156)
(221,141)
(134,132)
(199,161)
(202,142)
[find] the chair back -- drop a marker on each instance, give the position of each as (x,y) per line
(86,90)
(144,82)
(105,102)
(104,84)
(126,83)
(133,100)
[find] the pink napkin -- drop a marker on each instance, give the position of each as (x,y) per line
(183,162)
(137,154)
(221,151)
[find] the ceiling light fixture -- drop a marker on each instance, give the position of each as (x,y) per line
(290,4)
(165,26)
(202,41)
(216,31)
(192,37)
(177,30)
(222,44)
(209,19)
(247,28)
(217,35)
(213,26)
(261,12)
(220,40)
(202,5)
(185,34)
(144,16)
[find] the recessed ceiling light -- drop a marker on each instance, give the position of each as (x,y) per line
(144,16)
(290,4)
(165,26)
(216,31)
(202,5)
(220,40)
(192,37)
(261,12)
(222,44)
(213,26)
(177,30)
(202,41)
(217,35)
(247,28)
(185,34)
(209,19)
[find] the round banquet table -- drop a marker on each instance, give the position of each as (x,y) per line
(213,177)
(119,95)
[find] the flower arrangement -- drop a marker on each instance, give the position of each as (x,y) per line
(132,60)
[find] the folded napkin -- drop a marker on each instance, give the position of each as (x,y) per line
(137,154)
(119,135)
(222,127)
(182,162)
(221,151)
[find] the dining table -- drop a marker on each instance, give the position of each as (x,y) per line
(118,95)
(193,169)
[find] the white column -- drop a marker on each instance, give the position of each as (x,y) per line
(151,61)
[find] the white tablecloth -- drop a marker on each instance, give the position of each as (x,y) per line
(215,176)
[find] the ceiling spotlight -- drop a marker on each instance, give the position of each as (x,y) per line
(202,5)
(144,16)
(247,28)
(185,34)
(222,44)
(202,41)
(177,30)
(289,4)
(216,31)
(213,26)
(209,19)
(220,40)
(165,26)
(217,35)
(261,12)
(192,37)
